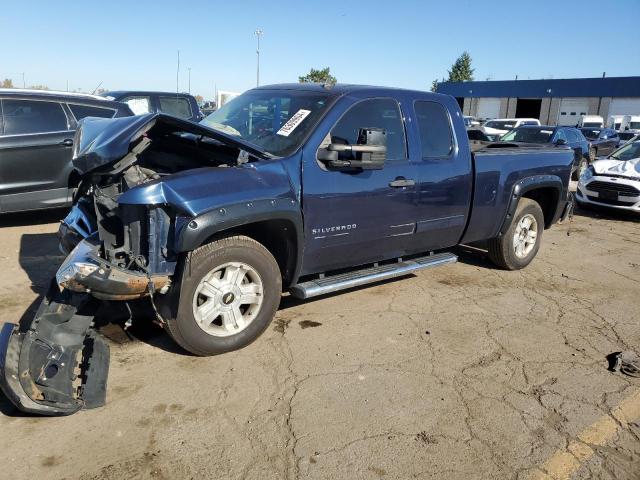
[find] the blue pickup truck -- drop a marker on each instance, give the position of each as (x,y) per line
(304,188)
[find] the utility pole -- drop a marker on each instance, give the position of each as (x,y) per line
(258,33)
(189,80)
(178,74)
(24,85)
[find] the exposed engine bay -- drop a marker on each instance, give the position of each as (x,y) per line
(57,364)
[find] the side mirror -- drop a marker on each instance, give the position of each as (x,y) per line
(369,153)
(560,141)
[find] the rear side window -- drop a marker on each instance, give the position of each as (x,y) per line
(375,113)
(81,111)
(436,136)
(23,117)
(138,105)
(572,136)
(176,106)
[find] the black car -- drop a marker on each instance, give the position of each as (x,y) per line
(624,137)
(603,141)
(554,135)
(36,139)
(181,105)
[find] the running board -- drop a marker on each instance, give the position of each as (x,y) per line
(334,283)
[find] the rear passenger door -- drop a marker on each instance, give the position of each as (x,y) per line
(35,154)
(444,176)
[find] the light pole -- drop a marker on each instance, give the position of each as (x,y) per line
(258,33)
(189,80)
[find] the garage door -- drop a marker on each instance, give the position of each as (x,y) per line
(488,108)
(571,109)
(624,106)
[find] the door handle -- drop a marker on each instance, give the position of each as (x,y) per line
(67,142)
(400,182)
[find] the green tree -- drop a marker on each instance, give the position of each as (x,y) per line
(434,85)
(199,99)
(461,70)
(6,83)
(318,76)
(39,87)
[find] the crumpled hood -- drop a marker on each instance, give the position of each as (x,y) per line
(103,141)
(628,168)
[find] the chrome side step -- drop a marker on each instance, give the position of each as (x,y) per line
(334,283)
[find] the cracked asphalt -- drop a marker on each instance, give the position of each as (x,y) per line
(460,372)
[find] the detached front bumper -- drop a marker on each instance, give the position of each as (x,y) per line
(84,271)
(57,364)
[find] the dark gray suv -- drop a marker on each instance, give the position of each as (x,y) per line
(37,129)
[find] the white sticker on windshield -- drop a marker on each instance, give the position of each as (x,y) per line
(293,122)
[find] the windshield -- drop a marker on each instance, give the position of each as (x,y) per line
(590,133)
(528,135)
(592,124)
(500,125)
(276,121)
(628,152)
(634,125)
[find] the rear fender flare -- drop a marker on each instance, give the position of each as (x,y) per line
(525,185)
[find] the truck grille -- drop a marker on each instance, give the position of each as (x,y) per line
(619,188)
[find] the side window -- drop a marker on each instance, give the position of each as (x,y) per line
(138,105)
(560,135)
(81,111)
(375,113)
(176,106)
(28,116)
(434,125)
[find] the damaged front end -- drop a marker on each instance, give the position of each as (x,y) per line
(120,238)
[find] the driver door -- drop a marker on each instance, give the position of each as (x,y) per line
(353,217)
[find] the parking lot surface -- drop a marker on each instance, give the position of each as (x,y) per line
(459,372)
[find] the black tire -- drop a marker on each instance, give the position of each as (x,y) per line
(502,249)
(582,166)
(180,320)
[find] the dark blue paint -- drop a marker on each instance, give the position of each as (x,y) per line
(344,219)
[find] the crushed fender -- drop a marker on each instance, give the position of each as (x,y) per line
(57,364)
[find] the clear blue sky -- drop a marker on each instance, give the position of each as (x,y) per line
(133,44)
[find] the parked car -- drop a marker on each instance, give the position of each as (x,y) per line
(613,182)
(591,121)
(555,135)
(291,187)
(631,123)
(500,126)
(478,139)
(615,122)
(624,137)
(36,142)
(181,105)
(470,121)
(602,141)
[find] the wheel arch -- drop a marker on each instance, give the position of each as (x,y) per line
(279,231)
(546,190)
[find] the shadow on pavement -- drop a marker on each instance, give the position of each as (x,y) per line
(38,217)
(605,213)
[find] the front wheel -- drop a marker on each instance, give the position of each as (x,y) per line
(521,242)
(230,291)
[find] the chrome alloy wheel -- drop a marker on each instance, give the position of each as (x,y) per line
(524,237)
(228,299)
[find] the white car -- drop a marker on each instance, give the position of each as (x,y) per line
(614,181)
(500,126)
(591,121)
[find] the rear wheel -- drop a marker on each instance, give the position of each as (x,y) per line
(230,291)
(521,242)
